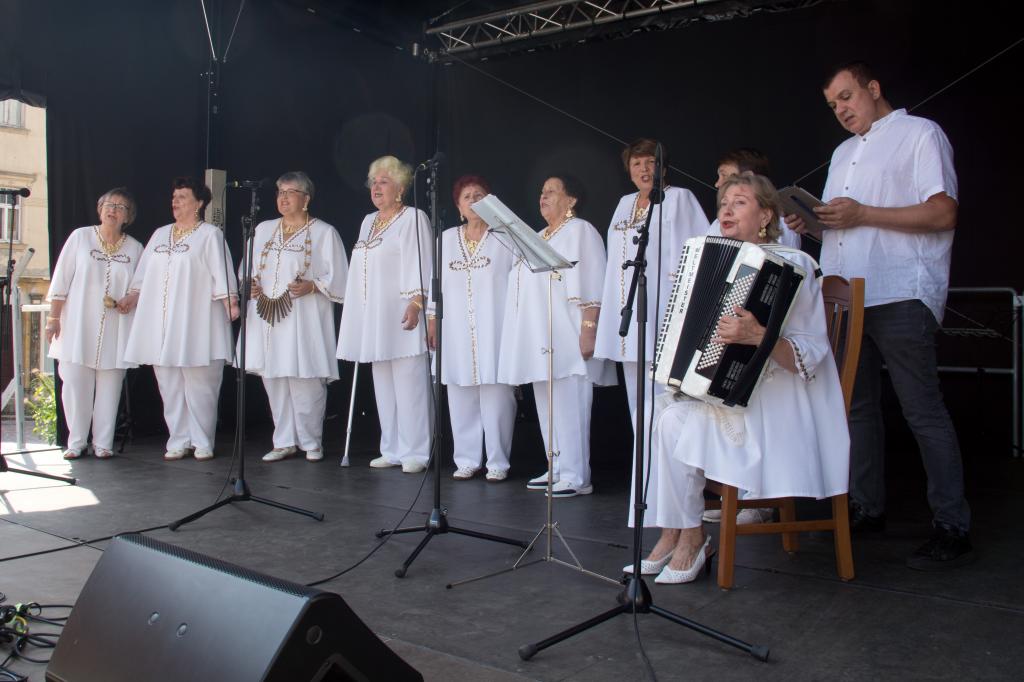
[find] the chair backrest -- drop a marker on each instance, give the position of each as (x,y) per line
(844,313)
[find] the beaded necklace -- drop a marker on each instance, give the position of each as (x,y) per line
(272,310)
(548,235)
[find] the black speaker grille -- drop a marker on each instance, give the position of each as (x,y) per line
(223,566)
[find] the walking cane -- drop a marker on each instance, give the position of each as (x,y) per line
(351,410)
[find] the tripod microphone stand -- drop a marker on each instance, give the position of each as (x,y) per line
(437,522)
(240,491)
(8,294)
(635,597)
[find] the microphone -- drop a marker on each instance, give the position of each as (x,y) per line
(657,190)
(248,184)
(433,162)
(22,192)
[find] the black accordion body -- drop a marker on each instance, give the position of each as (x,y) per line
(715,274)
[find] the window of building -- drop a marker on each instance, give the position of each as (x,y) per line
(10,218)
(12,114)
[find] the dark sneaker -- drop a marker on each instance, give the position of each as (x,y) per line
(862,522)
(947,548)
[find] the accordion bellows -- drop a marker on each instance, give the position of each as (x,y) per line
(715,274)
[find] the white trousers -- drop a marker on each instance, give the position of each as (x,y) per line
(298,408)
(402,390)
(190,403)
(573,396)
(629,371)
(90,396)
(678,492)
(482,416)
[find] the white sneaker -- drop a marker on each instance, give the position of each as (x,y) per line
(746,516)
(712,515)
(566,489)
(413,467)
(277,454)
(172,455)
(203,454)
(498,475)
(382,462)
(463,473)
(314,455)
(541,482)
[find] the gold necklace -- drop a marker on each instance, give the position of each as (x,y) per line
(180,232)
(471,244)
(379,225)
(638,214)
(548,235)
(108,248)
(272,310)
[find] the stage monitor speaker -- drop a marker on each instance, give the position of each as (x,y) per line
(153,612)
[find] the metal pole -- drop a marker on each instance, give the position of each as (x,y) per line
(351,410)
(19,388)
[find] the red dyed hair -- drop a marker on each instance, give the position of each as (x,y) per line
(465,181)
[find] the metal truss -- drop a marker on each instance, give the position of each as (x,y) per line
(525,26)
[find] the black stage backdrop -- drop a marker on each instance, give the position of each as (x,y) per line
(126,100)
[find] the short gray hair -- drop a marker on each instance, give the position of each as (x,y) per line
(298,178)
(400,172)
(128,197)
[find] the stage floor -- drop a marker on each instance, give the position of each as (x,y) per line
(888,623)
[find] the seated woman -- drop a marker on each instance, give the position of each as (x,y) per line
(792,438)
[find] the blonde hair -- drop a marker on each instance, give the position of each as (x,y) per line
(400,172)
(764,193)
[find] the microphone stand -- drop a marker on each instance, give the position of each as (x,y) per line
(240,491)
(635,596)
(437,522)
(7,284)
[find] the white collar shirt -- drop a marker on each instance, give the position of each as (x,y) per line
(901,161)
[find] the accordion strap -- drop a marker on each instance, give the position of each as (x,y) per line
(752,372)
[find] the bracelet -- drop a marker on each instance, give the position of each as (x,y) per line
(51,317)
(431,316)
(416,303)
(589,324)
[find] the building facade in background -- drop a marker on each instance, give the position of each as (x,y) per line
(23,164)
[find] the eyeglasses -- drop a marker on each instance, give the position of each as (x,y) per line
(289,192)
(116,207)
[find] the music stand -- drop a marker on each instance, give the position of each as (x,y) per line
(635,597)
(540,257)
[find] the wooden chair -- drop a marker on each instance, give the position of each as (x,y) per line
(844,312)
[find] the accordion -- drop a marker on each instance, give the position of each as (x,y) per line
(715,274)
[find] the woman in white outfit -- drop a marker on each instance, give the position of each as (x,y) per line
(790,440)
(576,306)
(474,278)
(380,324)
(673,221)
(186,294)
(299,273)
(87,328)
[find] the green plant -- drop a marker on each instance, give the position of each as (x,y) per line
(42,406)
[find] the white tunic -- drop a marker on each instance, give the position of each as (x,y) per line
(90,333)
(683,218)
(385,274)
(474,286)
(901,161)
(180,320)
(792,438)
(524,330)
(302,345)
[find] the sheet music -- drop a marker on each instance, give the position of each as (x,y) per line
(528,243)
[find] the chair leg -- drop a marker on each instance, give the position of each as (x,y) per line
(787,513)
(844,551)
(727,537)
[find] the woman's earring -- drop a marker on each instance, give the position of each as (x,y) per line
(305,209)
(763,232)
(568,213)
(462,218)
(197,214)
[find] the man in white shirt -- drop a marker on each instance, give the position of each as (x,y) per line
(891,208)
